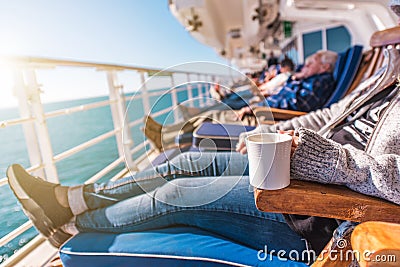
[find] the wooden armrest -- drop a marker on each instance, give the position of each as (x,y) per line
(331,201)
(386,37)
(271,114)
(377,243)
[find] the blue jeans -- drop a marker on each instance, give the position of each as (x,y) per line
(214,196)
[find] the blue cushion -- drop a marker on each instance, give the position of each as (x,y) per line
(218,136)
(183,139)
(178,246)
(339,66)
(346,76)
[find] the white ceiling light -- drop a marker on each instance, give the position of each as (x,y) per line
(378,22)
(338,5)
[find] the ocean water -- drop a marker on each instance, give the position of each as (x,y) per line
(66,132)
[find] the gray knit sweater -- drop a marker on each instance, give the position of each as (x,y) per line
(375,171)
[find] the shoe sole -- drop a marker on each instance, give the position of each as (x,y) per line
(34,212)
(152,124)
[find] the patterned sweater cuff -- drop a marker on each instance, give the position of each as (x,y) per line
(315,158)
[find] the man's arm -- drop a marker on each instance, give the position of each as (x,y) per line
(314,120)
(274,85)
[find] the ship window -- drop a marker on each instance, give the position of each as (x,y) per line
(312,42)
(338,39)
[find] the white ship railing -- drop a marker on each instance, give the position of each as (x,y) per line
(33,120)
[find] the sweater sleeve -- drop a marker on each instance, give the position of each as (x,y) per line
(322,160)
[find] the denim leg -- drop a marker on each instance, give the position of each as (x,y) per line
(193,164)
(232,214)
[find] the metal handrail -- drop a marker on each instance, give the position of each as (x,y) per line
(104,171)
(3,181)
(34,62)
(39,62)
(67,111)
(156,93)
(120,174)
(161,112)
(6,123)
(51,114)
(134,123)
(25,250)
(85,145)
(10,236)
(180,89)
(139,147)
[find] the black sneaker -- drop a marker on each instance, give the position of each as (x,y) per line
(39,203)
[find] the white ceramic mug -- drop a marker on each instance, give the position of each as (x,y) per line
(269,160)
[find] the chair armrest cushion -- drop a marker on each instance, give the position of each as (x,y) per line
(386,37)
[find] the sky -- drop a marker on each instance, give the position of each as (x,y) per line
(132,32)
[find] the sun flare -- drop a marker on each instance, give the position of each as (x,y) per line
(7,99)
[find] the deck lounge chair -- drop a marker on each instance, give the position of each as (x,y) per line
(346,69)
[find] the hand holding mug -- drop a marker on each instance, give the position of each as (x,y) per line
(295,140)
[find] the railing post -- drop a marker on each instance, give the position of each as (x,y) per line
(189,89)
(145,95)
(118,111)
(201,103)
(174,98)
(32,95)
(209,84)
(32,145)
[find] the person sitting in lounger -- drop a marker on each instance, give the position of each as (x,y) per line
(272,86)
(308,89)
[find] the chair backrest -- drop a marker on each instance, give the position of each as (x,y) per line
(381,39)
(340,63)
(345,71)
(373,59)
